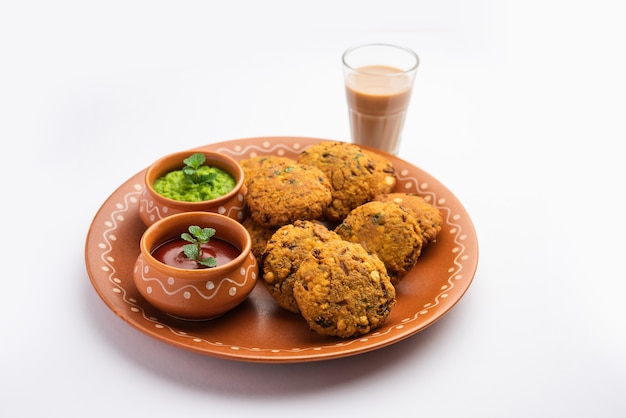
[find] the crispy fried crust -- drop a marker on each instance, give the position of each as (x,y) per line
(387,230)
(342,290)
(284,252)
(284,193)
(385,174)
(253,165)
(428,217)
(352,173)
(260,235)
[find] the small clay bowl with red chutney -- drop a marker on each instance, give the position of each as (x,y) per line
(170,281)
(157,203)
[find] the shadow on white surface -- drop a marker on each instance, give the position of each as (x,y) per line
(239,379)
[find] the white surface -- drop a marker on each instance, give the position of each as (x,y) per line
(518,109)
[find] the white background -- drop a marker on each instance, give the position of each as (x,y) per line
(518,109)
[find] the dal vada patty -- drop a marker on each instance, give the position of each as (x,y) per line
(385,173)
(351,172)
(251,166)
(342,290)
(428,217)
(284,252)
(281,194)
(387,230)
(259,235)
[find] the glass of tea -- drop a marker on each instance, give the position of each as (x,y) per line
(379,81)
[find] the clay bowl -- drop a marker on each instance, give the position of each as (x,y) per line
(154,206)
(201,293)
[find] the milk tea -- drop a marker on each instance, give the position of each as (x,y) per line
(378,98)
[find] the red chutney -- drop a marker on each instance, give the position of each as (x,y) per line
(171,253)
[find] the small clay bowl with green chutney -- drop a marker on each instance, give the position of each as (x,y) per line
(200,284)
(189,181)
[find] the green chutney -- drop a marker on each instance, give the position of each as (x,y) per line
(176,185)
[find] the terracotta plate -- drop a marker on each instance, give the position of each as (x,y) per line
(259,330)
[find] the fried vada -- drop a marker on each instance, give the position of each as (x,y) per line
(342,290)
(387,230)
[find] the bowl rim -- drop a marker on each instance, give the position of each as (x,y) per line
(174,161)
(177,219)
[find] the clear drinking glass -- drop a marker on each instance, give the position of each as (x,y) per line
(379,80)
